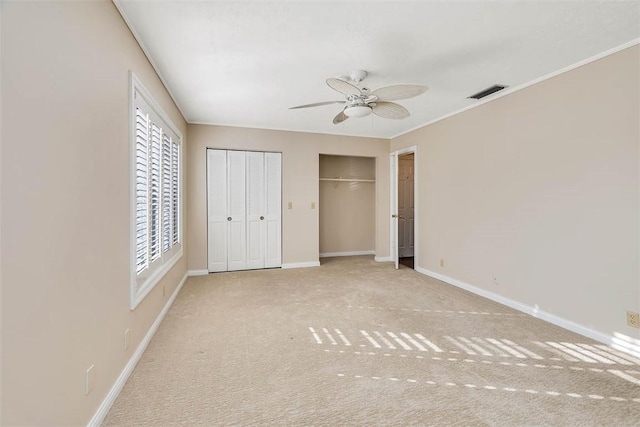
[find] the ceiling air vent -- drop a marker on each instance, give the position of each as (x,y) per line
(486,92)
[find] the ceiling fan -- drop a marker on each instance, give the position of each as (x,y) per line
(361,102)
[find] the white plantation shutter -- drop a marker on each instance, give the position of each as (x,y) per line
(155,206)
(142,189)
(154,193)
(166,193)
(175,192)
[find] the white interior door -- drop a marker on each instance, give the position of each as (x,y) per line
(236,203)
(405,207)
(393,172)
(256,233)
(217,210)
(272,223)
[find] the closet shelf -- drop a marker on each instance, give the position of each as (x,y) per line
(347,180)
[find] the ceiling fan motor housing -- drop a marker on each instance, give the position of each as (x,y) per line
(360,110)
(358,75)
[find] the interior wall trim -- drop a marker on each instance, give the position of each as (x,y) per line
(115,390)
(383,258)
(614,341)
(352,253)
(510,90)
(191,273)
(301,264)
(145,51)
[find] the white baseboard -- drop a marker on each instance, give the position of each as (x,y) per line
(301,264)
(383,258)
(613,341)
(352,253)
(111,397)
(197,273)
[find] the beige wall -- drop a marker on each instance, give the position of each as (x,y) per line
(300,153)
(65,208)
(540,190)
(347,209)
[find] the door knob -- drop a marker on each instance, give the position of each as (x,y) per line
(394,216)
(228,218)
(261,218)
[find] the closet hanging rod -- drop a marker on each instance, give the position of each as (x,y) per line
(347,180)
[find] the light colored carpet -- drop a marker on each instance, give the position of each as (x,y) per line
(355,342)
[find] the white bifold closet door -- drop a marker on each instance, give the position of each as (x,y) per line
(272,223)
(236,208)
(217,226)
(244,209)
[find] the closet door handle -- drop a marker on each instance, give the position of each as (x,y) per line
(228,218)
(261,218)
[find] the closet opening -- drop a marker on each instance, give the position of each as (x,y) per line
(346,205)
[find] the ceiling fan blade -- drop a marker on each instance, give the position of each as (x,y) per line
(317,104)
(343,87)
(340,117)
(390,110)
(397,92)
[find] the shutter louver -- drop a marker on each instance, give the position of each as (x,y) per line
(142,159)
(175,192)
(154,192)
(166,193)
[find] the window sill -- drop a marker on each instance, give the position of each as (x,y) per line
(138,295)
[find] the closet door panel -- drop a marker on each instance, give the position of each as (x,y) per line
(272,249)
(236,248)
(217,210)
(255,191)
(273,211)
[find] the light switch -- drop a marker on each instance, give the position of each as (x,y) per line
(290,205)
(313,205)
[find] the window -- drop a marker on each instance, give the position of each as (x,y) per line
(156,237)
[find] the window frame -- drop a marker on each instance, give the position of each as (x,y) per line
(143,282)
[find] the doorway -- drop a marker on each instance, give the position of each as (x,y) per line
(404,182)
(406,209)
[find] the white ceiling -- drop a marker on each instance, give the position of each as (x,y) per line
(245,63)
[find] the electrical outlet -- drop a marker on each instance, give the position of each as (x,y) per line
(126,339)
(89,380)
(633,319)
(441,262)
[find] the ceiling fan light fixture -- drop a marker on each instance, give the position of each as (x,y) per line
(361,102)
(357,111)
